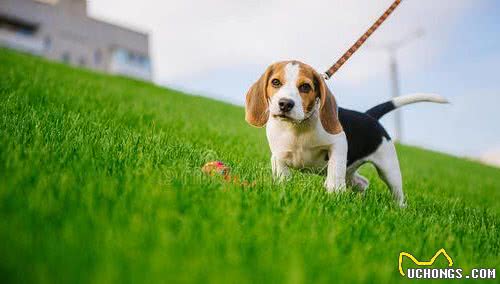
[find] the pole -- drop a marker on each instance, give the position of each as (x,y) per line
(398,128)
(391,49)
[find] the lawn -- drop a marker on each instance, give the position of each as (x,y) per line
(100,182)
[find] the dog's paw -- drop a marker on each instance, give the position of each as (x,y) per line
(401,203)
(282,177)
(335,186)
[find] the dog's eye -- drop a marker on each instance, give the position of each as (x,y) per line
(276,83)
(305,88)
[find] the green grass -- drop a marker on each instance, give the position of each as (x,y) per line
(100,181)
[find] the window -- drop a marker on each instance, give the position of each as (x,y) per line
(143,60)
(18,26)
(126,57)
(25,32)
(66,57)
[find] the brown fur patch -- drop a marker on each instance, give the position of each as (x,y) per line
(328,106)
(307,76)
(257,97)
(328,114)
(256,105)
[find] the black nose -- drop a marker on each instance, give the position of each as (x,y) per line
(285,105)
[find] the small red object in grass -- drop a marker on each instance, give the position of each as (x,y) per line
(215,168)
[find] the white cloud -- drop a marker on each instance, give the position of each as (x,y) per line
(191,37)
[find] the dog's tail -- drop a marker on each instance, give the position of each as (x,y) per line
(382,109)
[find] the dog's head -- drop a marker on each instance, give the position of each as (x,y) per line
(291,91)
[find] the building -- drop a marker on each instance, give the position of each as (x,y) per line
(61,30)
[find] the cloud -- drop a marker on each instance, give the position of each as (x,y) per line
(191,37)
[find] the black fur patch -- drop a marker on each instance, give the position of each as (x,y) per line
(364,134)
(380,110)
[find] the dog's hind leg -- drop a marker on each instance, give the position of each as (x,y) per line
(355,180)
(386,161)
(358,182)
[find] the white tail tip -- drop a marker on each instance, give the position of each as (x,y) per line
(418,97)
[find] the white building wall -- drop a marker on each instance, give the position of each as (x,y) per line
(65,29)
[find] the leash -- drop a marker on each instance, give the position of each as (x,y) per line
(329,73)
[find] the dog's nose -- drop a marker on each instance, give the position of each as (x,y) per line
(286,104)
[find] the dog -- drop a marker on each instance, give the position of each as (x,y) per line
(307,130)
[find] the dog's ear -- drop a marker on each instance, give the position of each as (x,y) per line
(328,111)
(257,106)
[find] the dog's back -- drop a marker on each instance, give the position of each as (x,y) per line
(364,134)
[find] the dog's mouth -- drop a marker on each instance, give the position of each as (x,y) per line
(283,116)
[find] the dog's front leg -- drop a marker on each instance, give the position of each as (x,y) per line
(279,168)
(335,179)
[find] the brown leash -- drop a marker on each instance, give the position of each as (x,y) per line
(329,73)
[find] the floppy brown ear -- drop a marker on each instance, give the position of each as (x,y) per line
(257,106)
(328,107)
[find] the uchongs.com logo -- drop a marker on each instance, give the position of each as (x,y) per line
(423,270)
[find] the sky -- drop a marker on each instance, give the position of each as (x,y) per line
(218,48)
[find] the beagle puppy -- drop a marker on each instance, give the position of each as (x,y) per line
(307,131)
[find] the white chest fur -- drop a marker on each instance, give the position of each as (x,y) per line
(299,146)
